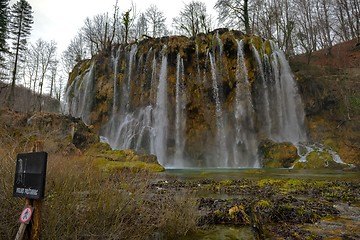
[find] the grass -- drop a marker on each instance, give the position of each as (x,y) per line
(84,202)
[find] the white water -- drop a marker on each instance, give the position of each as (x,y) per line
(83,92)
(160,114)
(245,147)
(293,115)
(180,118)
(265,110)
(222,151)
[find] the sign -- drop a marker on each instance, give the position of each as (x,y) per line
(26,215)
(30,175)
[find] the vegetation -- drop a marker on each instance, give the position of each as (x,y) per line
(82,201)
(19,29)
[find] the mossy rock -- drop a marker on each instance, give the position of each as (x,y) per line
(319,160)
(278,155)
(112,160)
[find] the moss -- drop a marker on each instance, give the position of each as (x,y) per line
(315,160)
(268,182)
(263,203)
(278,155)
(113,166)
(226,182)
(257,42)
(267,47)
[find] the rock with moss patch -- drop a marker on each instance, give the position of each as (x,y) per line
(277,155)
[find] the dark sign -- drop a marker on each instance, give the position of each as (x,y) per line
(30,175)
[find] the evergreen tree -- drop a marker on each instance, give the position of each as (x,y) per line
(4,19)
(19,29)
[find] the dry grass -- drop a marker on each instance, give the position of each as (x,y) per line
(83,202)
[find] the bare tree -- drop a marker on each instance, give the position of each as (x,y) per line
(141,27)
(156,20)
(192,19)
(306,31)
(324,12)
(100,31)
(75,52)
(234,13)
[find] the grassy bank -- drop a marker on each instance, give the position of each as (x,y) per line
(83,202)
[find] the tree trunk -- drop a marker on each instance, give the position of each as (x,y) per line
(11,99)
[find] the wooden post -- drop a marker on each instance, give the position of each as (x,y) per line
(36,204)
(32,230)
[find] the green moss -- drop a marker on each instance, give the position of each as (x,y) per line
(263,203)
(226,182)
(257,42)
(267,47)
(315,160)
(267,182)
(278,155)
(113,166)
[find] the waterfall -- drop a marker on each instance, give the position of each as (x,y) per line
(116,85)
(82,88)
(127,87)
(245,147)
(265,106)
(292,111)
(213,113)
(161,114)
(222,152)
(180,118)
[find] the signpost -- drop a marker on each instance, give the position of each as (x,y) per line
(30,175)
(29,182)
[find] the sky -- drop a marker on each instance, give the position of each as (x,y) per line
(60,20)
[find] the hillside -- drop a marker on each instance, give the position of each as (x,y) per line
(330,87)
(26,100)
(342,55)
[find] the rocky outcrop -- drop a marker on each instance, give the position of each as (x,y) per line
(62,135)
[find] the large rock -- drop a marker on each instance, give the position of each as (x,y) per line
(277,155)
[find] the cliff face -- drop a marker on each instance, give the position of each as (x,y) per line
(204,101)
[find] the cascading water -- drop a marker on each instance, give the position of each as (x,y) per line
(83,91)
(180,118)
(160,114)
(245,147)
(265,106)
(293,115)
(222,153)
(159,106)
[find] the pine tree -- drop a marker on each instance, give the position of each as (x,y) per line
(19,29)
(4,19)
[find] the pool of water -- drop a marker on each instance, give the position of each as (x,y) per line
(233,174)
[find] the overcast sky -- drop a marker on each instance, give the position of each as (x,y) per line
(60,20)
